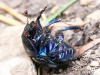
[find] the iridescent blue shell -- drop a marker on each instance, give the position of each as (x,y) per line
(44,48)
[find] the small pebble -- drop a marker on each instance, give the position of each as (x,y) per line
(85,2)
(93,37)
(94,4)
(94,16)
(97,72)
(78,19)
(88,67)
(67,12)
(54,9)
(94,63)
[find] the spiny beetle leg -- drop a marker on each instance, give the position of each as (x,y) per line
(38,18)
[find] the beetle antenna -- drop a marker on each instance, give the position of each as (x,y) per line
(26,13)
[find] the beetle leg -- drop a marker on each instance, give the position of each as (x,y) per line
(53,21)
(39,71)
(36,65)
(38,19)
(71,28)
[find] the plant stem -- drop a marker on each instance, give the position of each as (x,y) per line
(58,12)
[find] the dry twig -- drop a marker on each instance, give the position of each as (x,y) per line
(9,21)
(88,46)
(13,12)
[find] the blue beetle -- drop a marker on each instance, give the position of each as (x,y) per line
(45,49)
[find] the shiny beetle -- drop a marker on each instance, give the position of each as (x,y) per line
(44,48)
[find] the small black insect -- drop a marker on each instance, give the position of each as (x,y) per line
(45,49)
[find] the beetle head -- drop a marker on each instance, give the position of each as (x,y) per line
(30,29)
